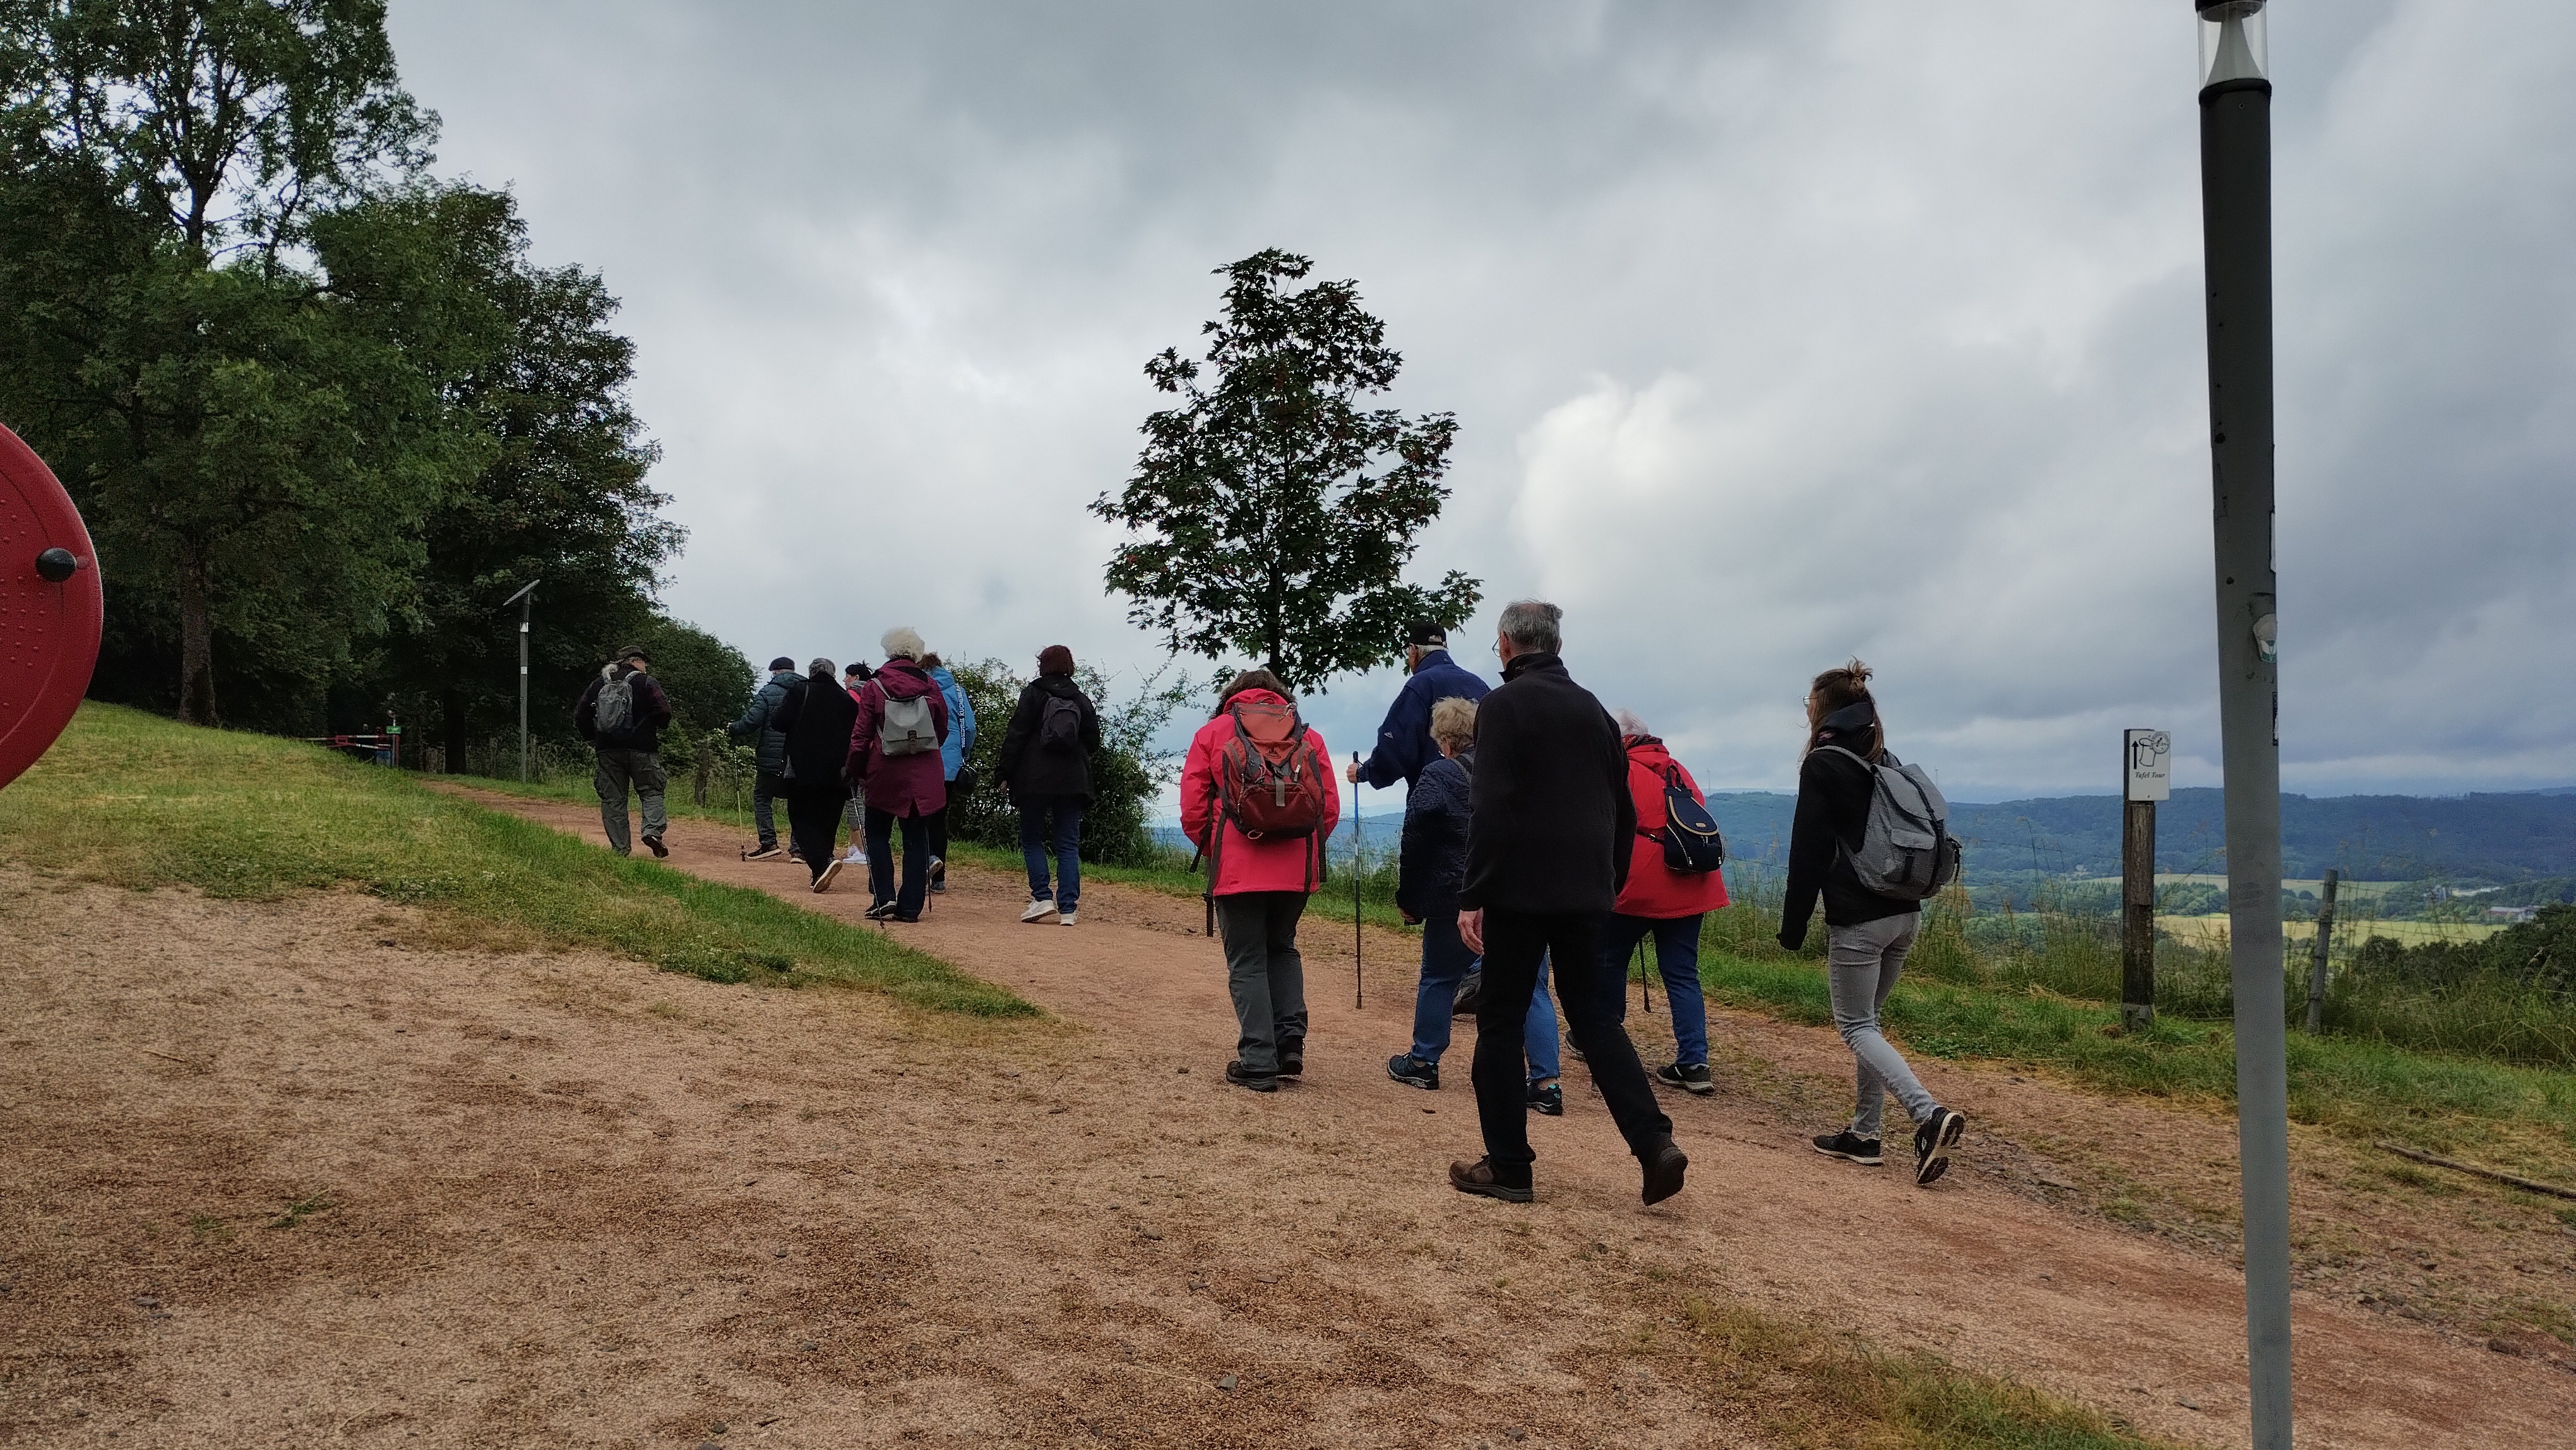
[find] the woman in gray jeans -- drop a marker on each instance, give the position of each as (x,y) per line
(1867,935)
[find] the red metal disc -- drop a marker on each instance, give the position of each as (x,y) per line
(48,630)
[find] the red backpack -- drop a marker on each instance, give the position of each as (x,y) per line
(1269,782)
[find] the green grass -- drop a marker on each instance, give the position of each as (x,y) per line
(136,801)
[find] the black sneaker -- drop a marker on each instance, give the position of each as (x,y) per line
(1292,1056)
(1933,1140)
(1260,1082)
(1850,1147)
(654,844)
(1691,1078)
(1478,1178)
(1412,1071)
(1549,1100)
(770,852)
(1663,1172)
(881,911)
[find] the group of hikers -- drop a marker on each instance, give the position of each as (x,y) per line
(1543,839)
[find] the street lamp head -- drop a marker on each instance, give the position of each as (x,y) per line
(2232,44)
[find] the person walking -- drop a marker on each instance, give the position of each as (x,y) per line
(1547,854)
(894,753)
(1258,800)
(1665,904)
(1045,764)
(952,760)
(769,752)
(818,719)
(1405,747)
(1867,935)
(855,813)
(1431,864)
(621,713)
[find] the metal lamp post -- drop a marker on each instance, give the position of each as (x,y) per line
(527,602)
(2236,232)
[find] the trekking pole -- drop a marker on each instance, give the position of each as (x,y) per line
(1645,984)
(1359,986)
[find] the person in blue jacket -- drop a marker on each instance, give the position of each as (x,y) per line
(1404,749)
(952,752)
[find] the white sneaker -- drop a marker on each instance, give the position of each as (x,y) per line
(1040,908)
(855,858)
(1066,919)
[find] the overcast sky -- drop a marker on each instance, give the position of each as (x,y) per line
(1775,332)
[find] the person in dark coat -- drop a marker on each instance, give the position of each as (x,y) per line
(1045,763)
(630,754)
(906,789)
(1547,852)
(1867,935)
(1431,866)
(769,751)
(817,719)
(1405,748)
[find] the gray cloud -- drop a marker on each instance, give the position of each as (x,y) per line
(1776,333)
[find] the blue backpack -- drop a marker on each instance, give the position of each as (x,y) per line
(1692,846)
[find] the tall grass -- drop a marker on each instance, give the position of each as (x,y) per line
(132,800)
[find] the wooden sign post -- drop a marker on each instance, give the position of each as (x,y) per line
(2146,770)
(2325,944)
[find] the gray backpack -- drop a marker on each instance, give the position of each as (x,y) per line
(1906,849)
(909,728)
(615,708)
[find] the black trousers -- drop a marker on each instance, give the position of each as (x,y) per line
(915,889)
(814,823)
(938,823)
(1593,998)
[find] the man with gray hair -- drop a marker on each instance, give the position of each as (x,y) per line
(1548,831)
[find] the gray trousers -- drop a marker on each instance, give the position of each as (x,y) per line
(856,814)
(1264,973)
(617,770)
(1862,964)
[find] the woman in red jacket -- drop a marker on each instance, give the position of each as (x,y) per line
(1259,885)
(1666,905)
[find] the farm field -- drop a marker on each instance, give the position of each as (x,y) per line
(2211,930)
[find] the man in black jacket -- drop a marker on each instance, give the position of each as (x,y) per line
(1549,825)
(629,746)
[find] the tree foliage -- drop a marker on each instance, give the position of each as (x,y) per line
(1126,777)
(1277,513)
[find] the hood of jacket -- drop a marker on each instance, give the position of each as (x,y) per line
(904,680)
(1648,751)
(940,674)
(1257,696)
(1060,686)
(1853,727)
(1537,659)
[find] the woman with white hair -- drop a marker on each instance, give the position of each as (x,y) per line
(894,755)
(1665,901)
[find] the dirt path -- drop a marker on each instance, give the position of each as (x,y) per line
(283,1174)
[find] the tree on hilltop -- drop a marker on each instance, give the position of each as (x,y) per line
(1275,513)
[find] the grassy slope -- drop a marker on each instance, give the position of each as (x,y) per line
(136,801)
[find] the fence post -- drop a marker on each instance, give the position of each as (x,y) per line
(2147,777)
(2325,937)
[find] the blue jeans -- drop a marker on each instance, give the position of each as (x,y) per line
(1677,958)
(1445,962)
(1067,840)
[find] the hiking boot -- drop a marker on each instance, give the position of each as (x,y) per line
(1412,1071)
(1260,1082)
(823,882)
(882,911)
(1478,1178)
(1691,1078)
(938,873)
(770,852)
(1065,919)
(1292,1057)
(1663,1171)
(1850,1147)
(1933,1140)
(1548,1100)
(654,844)
(1039,908)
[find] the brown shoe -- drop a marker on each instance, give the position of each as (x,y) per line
(1664,1168)
(1478,1177)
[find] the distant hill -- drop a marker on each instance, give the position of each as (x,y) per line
(2473,838)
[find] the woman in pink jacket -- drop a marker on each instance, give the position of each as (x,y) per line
(1258,800)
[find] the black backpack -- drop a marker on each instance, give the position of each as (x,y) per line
(1060,725)
(1692,846)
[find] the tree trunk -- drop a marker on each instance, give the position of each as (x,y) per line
(196,641)
(453,705)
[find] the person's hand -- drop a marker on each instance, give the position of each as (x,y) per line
(1351,772)
(1407,917)
(1471,929)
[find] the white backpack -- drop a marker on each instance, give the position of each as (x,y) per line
(1906,849)
(909,728)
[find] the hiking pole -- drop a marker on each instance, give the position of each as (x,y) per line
(1359,986)
(1645,984)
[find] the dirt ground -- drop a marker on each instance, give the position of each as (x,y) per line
(297,1174)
